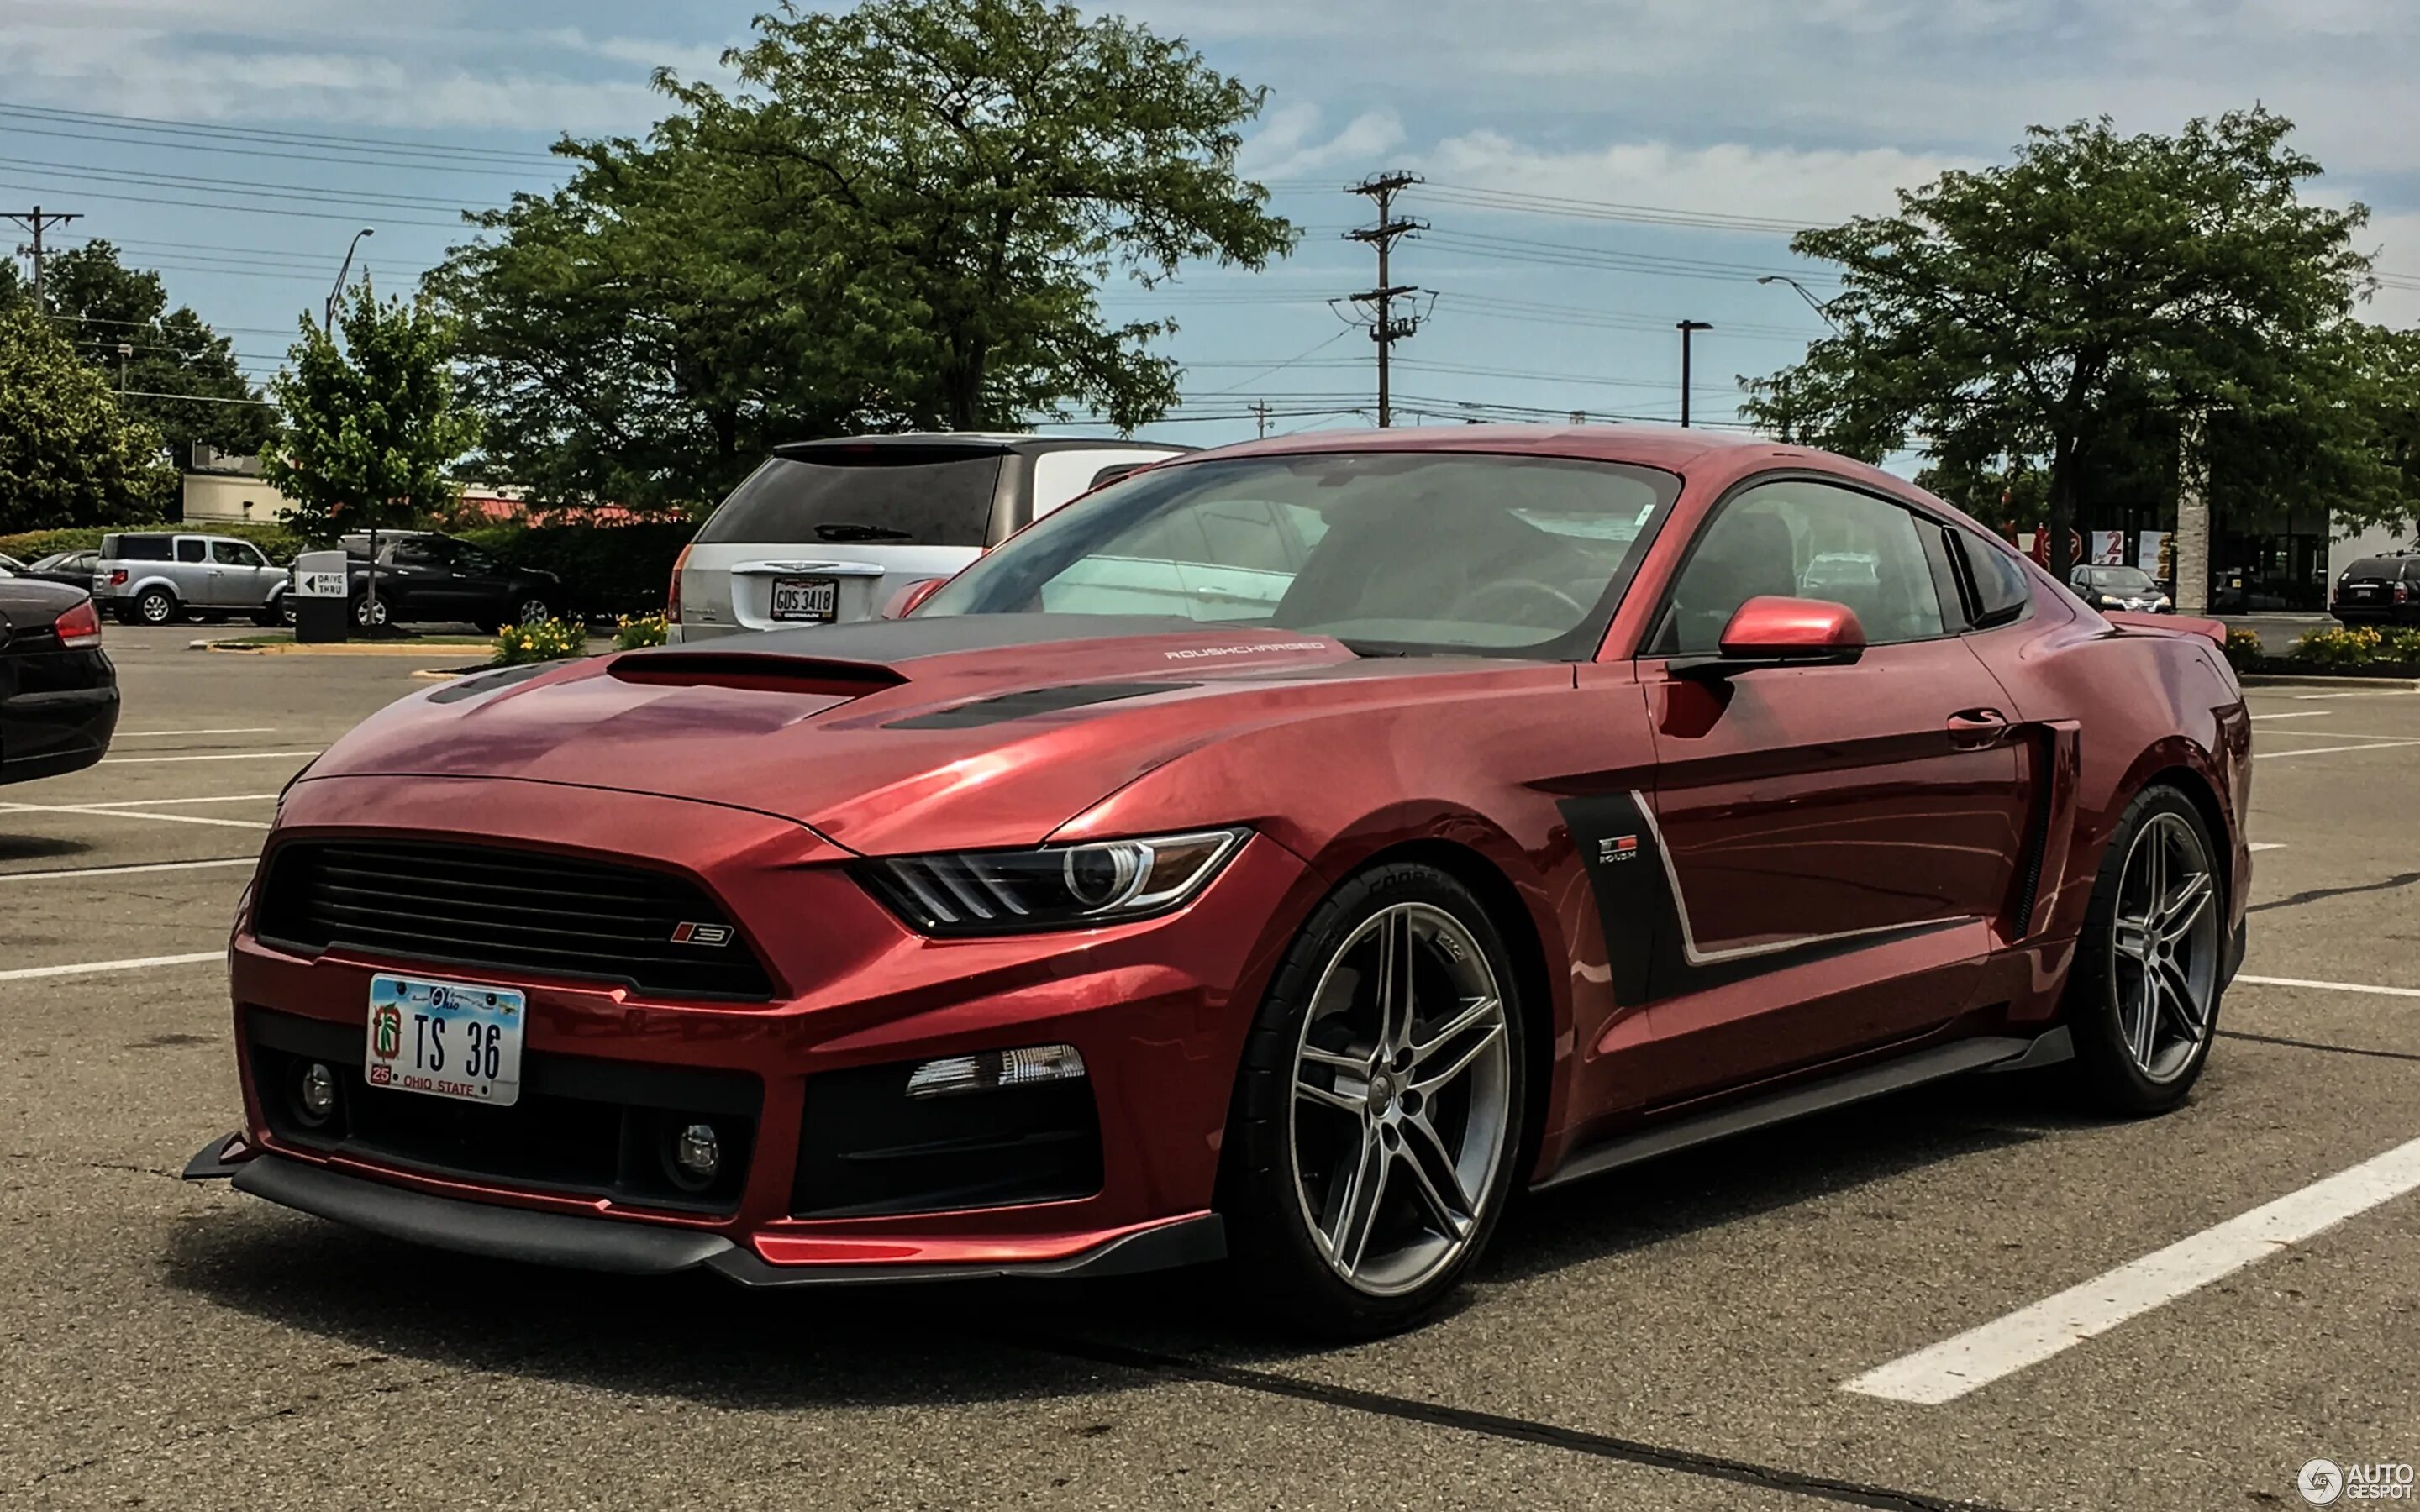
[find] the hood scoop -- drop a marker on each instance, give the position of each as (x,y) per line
(754,673)
(1008,706)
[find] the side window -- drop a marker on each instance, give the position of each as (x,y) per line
(233,554)
(2003,593)
(1806,540)
(191,551)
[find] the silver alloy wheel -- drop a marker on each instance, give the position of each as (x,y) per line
(1403,1087)
(2163,946)
(533,611)
(367,613)
(156,609)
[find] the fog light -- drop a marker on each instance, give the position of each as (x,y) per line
(697,1154)
(988,1069)
(318,1093)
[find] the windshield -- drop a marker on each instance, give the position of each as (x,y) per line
(899,495)
(2123,580)
(1411,551)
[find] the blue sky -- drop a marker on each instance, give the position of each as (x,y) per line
(1756,114)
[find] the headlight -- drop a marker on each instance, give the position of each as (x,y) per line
(1052,886)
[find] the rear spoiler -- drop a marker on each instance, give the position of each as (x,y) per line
(2172,623)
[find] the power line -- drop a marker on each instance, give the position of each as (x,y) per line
(154,125)
(152,144)
(246,209)
(1385,330)
(250,187)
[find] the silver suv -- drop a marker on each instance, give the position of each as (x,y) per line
(154,577)
(828,532)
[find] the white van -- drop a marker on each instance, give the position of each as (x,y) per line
(828,532)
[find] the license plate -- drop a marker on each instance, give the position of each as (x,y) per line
(446,1038)
(816,599)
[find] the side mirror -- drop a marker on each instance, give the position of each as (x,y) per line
(904,602)
(1773,631)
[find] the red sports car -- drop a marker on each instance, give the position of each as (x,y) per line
(1282,854)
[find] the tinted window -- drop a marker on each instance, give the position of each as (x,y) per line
(136,548)
(2001,585)
(1420,550)
(901,494)
(1806,540)
(2381,568)
(429,552)
(235,554)
(191,551)
(2122,579)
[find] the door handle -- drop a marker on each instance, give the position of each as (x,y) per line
(1977,729)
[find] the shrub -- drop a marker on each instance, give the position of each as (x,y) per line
(2350,647)
(276,540)
(2243,651)
(545,640)
(634,632)
(2400,645)
(606,569)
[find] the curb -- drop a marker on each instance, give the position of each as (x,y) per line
(2387,685)
(286,648)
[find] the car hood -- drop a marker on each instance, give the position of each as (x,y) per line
(952,733)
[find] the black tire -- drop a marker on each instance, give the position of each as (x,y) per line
(273,613)
(359,609)
(2107,1073)
(530,608)
(155,606)
(1277,1254)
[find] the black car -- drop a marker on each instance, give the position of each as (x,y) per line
(58,692)
(73,568)
(423,577)
(2380,591)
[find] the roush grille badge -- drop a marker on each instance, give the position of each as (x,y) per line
(700,934)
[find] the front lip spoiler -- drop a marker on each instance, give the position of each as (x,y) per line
(643,1249)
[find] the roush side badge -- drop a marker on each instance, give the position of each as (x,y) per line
(700,934)
(1618,848)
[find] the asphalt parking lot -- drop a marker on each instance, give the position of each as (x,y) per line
(1680,1336)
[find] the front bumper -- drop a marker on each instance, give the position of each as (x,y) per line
(1158,1010)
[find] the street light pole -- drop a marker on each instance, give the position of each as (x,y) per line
(328,318)
(1812,302)
(1687,329)
(125,352)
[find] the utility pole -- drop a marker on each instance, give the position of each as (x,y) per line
(125,354)
(1385,328)
(2191,545)
(1260,417)
(36,222)
(1687,329)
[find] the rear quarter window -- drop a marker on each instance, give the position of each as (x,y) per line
(136,548)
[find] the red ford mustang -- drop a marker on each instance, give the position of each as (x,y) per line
(1283,854)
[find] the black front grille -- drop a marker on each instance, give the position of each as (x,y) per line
(581,1126)
(485,906)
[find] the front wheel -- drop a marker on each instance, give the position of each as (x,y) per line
(2143,1001)
(1377,1119)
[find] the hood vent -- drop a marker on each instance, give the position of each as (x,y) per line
(755,673)
(1033,702)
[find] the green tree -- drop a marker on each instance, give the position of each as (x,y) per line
(69,454)
(373,425)
(2061,314)
(98,303)
(902,218)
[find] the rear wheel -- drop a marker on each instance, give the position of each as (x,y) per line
(533,611)
(1379,1111)
(368,616)
(273,612)
(2142,1001)
(155,606)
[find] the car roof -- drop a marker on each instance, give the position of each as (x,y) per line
(1670,447)
(974,441)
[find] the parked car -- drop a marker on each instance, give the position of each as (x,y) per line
(159,576)
(2120,588)
(10,566)
(828,532)
(1542,824)
(58,692)
(73,568)
(425,577)
(2379,591)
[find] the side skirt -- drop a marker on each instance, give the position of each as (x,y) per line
(1929,1065)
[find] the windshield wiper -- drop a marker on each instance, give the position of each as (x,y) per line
(848,530)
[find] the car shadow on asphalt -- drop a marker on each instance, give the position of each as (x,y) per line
(38,847)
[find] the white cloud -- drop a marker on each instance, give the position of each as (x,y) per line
(1288,143)
(1806,187)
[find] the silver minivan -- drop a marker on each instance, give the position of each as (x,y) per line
(828,532)
(155,577)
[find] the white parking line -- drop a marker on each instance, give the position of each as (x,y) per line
(1980,1356)
(217,756)
(2333,986)
(121,870)
(163,802)
(2265,846)
(88,968)
(2306,714)
(2330,750)
(271,730)
(99,811)
(2373,693)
